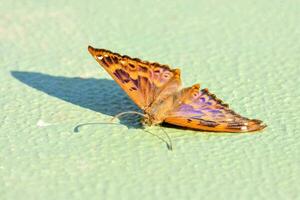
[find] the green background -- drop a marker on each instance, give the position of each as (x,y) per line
(246,52)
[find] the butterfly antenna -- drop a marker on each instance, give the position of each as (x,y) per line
(169,145)
(160,138)
(127,112)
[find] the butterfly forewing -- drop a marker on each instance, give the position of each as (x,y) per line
(142,81)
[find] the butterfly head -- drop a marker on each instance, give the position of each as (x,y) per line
(150,120)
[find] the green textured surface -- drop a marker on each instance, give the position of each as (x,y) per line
(246,52)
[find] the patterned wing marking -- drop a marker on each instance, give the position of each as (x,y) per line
(204,111)
(141,80)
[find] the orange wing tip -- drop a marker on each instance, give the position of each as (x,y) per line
(91,49)
(99,52)
(254,125)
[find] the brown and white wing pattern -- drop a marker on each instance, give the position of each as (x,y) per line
(202,110)
(141,80)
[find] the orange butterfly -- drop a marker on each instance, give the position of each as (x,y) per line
(155,88)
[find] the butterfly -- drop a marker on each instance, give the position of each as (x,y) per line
(156,89)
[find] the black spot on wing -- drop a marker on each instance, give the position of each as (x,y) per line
(103,62)
(117,75)
(115,59)
(108,60)
(132,66)
(136,82)
(143,69)
(236,125)
(122,75)
(208,123)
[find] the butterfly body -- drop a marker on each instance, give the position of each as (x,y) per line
(157,112)
(156,89)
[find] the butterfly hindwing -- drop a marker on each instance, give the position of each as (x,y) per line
(202,110)
(142,81)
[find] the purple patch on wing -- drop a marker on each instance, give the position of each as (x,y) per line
(214,111)
(188,109)
(185,107)
(202,99)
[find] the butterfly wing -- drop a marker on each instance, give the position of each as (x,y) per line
(202,110)
(142,81)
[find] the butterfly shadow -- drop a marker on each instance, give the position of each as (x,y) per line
(100,95)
